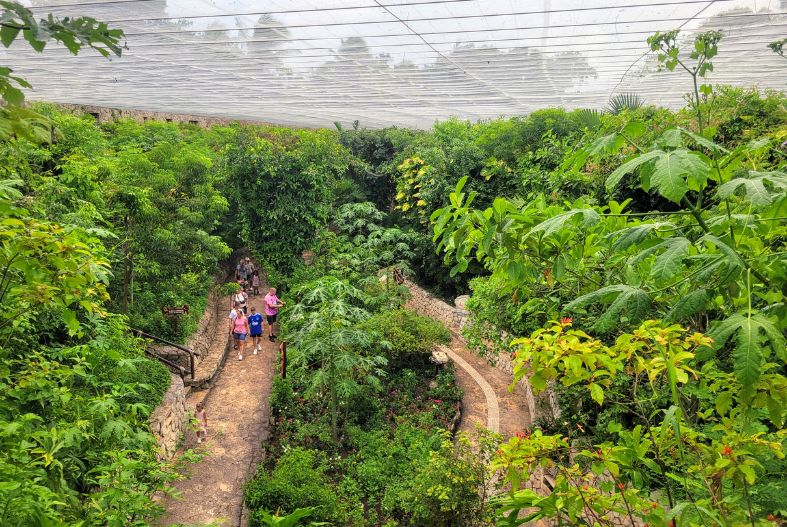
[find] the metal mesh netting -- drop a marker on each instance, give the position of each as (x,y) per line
(394,62)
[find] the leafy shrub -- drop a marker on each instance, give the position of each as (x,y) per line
(446,489)
(412,337)
(297,480)
(282,396)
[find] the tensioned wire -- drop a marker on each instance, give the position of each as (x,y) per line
(457,44)
(431,33)
(393,6)
(426,82)
(503,57)
(492,62)
(282,27)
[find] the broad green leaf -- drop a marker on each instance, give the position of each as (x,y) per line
(630,166)
(710,145)
(633,235)
(688,305)
(755,187)
(671,138)
(596,392)
(731,256)
(669,262)
(625,301)
(671,171)
(723,402)
(8,34)
(556,223)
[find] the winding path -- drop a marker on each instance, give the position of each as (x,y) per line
(238,412)
(487,400)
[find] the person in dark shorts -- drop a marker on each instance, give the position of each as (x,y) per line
(255,327)
(272,306)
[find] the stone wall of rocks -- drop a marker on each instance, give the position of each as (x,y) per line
(168,421)
(104,114)
(200,341)
(426,304)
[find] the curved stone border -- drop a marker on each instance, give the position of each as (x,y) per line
(492,407)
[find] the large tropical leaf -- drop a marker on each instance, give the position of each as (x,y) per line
(653,249)
(732,258)
(633,235)
(672,170)
(702,141)
(755,187)
(752,331)
(630,166)
(669,262)
(688,305)
(624,301)
(556,223)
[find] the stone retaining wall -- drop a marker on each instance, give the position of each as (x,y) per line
(200,341)
(168,421)
(105,114)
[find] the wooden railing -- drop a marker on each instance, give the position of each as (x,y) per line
(177,367)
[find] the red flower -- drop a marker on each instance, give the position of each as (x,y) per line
(726,451)
(566,321)
(621,486)
(771,518)
(438,401)
(522,434)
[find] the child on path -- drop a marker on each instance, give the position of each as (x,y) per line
(202,422)
(255,282)
(240,328)
(272,305)
(255,325)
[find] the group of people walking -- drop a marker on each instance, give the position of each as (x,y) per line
(242,324)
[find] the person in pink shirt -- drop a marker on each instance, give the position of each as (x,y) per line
(272,306)
(239,326)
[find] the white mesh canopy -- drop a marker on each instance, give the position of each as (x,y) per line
(394,62)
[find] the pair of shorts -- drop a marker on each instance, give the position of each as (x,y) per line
(239,336)
(252,335)
(271,318)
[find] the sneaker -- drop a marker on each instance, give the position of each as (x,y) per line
(235,347)
(271,338)
(255,351)
(240,357)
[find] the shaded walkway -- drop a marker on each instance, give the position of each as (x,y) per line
(238,415)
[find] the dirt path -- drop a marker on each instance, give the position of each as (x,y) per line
(238,412)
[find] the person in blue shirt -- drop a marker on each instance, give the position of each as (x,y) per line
(255,325)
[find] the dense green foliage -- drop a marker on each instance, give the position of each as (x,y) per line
(281,183)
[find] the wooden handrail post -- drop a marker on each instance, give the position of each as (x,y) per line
(283,350)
